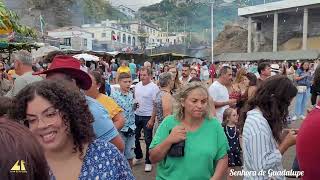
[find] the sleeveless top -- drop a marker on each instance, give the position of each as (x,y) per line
(158,106)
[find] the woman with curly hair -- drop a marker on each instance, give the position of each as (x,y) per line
(264,118)
(60,119)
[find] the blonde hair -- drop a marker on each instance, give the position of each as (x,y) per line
(240,75)
(226,114)
(184,93)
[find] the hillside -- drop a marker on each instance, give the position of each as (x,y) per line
(195,17)
(63,12)
(231,39)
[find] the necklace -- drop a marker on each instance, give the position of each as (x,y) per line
(234,135)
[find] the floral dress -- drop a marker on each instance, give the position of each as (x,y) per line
(234,153)
(103,161)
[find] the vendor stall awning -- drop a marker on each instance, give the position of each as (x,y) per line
(275,56)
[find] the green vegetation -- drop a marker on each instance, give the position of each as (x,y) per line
(190,17)
(9,21)
(195,17)
(68,12)
(98,10)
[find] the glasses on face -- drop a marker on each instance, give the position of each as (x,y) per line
(48,117)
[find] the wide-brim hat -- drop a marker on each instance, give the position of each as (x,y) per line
(275,68)
(70,66)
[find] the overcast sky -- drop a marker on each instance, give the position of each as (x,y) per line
(134,4)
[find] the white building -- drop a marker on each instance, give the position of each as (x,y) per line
(165,38)
(144,29)
(112,35)
(278,21)
(127,11)
(73,38)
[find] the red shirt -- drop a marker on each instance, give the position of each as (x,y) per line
(308,145)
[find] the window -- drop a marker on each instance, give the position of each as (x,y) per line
(103,35)
(67,41)
(258,26)
(85,42)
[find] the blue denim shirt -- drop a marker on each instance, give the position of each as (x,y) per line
(125,101)
(307,81)
(102,125)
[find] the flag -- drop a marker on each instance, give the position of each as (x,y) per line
(42,24)
(114,37)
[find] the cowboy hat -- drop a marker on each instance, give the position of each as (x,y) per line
(70,66)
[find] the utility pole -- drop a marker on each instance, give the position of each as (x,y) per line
(212,32)
(184,33)
(167,40)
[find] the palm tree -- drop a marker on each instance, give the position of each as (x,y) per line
(9,21)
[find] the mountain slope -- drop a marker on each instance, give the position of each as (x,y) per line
(192,16)
(60,13)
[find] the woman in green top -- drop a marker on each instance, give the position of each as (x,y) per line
(204,154)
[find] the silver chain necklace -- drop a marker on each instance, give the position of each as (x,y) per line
(234,135)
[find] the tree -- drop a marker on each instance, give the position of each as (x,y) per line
(9,21)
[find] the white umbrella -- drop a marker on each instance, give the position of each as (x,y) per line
(86,57)
(113,53)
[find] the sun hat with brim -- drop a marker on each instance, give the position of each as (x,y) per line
(70,66)
(275,68)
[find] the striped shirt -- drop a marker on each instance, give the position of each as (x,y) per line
(260,150)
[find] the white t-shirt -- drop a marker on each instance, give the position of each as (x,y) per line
(145,96)
(219,93)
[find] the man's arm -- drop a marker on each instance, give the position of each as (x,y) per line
(220,104)
(231,102)
(152,119)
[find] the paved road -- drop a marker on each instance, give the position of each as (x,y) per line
(287,158)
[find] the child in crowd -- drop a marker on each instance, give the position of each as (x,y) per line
(230,121)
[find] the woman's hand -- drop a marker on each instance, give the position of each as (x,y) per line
(290,138)
(288,141)
(177,134)
(160,151)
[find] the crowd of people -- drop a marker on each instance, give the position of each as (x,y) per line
(198,121)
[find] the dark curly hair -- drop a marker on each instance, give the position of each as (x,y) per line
(71,104)
(273,98)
